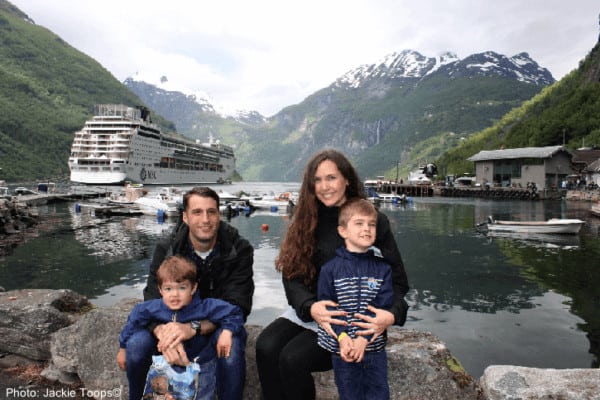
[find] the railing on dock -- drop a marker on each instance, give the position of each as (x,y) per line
(406,189)
(497,193)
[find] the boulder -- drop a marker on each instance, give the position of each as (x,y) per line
(15,220)
(29,317)
(420,366)
(79,344)
(510,382)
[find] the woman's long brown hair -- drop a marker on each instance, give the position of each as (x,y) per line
(295,255)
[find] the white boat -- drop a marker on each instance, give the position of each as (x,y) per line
(392,197)
(167,200)
(226,197)
(553,225)
(378,197)
(23,191)
(120,144)
(595,209)
(128,196)
(280,202)
(418,177)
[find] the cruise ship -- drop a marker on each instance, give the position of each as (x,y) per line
(121,144)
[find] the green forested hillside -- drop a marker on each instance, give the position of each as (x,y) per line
(47,90)
(409,124)
(566,112)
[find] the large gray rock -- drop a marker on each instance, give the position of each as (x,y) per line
(28,317)
(81,345)
(420,366)
(509,382)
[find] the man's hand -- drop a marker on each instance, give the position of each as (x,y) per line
(207,327)
(172,334)
(176,355)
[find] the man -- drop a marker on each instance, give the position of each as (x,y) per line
(224,262)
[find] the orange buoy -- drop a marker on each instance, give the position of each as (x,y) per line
(264,227)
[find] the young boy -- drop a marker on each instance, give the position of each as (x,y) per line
(356,278)
(177,283)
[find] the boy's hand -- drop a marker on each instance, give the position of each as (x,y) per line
(346,347)
(224,343)
(358,348)
(121,356)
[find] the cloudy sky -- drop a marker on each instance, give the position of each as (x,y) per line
(264,55)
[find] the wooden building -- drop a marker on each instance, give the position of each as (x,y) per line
(547,167)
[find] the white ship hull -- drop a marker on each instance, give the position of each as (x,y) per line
(120,144)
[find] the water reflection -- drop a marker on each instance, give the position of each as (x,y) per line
(548,241)
(501,300)
(116,238)
(452,267)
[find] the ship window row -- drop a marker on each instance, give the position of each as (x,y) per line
(96,161)
(113,153)
(103,149)
(102,138)
(96,168)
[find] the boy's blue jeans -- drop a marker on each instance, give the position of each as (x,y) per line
(367,380)
(231,371)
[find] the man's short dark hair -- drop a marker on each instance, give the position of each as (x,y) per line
(202,191)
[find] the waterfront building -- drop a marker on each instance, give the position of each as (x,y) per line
(547,167)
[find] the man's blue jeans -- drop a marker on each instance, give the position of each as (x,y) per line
(231,371)
(366,380)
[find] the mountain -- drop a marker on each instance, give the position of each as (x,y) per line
(379,114)
(47,91)
(564,113)
(409,65)
(387,116)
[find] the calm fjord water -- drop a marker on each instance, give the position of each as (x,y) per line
(492,301)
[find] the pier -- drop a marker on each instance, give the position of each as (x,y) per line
(76,193)
(489,192)
(406,189)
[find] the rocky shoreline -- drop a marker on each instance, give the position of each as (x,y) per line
(15,220)
(56,340)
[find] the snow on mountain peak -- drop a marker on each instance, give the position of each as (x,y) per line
(411,64)
(163,82)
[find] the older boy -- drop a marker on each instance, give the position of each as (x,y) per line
(356,278)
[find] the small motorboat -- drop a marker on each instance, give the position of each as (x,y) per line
(553,225)
(167,203)
(595,209)
(377,198)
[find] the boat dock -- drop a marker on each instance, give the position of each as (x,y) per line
(76,193)
(490,192)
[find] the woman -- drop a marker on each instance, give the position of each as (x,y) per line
(287,350)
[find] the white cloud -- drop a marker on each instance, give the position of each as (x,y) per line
(267,54)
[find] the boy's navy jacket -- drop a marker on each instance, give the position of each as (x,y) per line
(354,281)
(221,313)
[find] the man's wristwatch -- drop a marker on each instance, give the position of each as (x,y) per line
(196,327)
